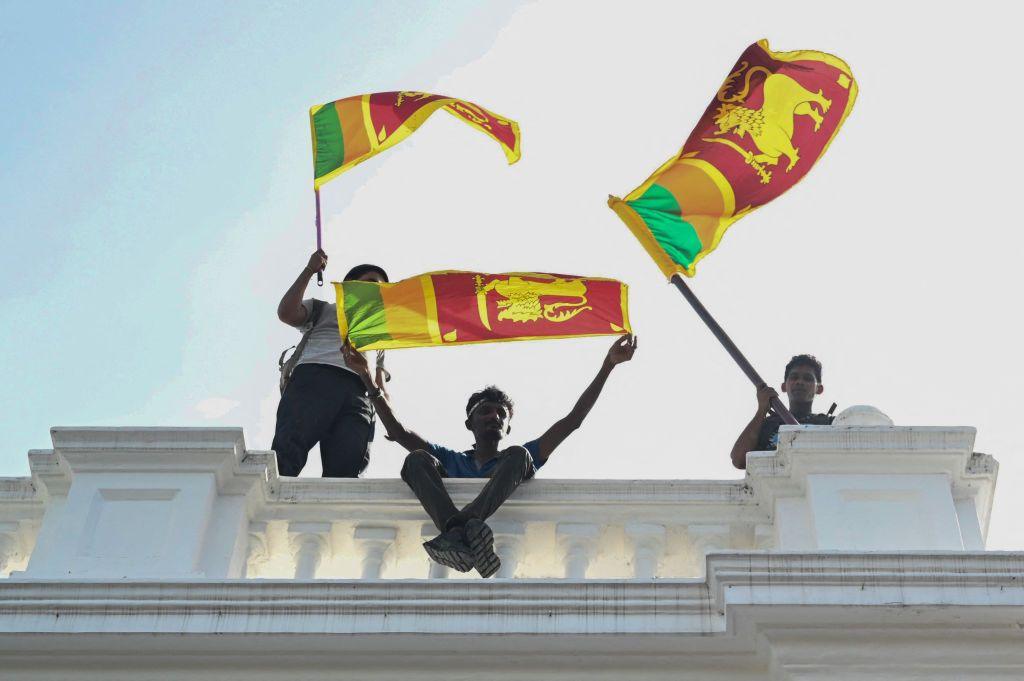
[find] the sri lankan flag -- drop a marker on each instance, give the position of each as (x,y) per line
(453,308)
(771,120)
(351,130)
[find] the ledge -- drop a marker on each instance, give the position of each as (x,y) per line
(220,451)
(941,582)
(562,492)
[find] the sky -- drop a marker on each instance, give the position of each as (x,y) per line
(155,179)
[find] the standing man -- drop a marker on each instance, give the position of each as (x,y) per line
(466,541)
(324,401)
(802,383)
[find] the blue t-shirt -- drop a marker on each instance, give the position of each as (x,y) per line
(463,465)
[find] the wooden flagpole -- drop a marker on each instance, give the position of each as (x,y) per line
(730,347)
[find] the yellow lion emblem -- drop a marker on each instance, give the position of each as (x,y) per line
(520,299)
(771,126)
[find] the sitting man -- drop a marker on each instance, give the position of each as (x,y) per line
(466,541)
(802,382)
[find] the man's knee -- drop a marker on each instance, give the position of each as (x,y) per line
(519,457)
(290,455)
(417,460)
(287,468)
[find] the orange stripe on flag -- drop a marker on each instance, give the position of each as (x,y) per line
(406,311)
(699,199)
(353,128)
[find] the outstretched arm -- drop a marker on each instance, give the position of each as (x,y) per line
(621,351)
(396,431)
(747,441)
(290,309)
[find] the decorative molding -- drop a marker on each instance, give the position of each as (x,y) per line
(941,582)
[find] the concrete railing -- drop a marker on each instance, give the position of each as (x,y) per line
(195,504)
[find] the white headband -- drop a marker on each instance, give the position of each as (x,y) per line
(473,407)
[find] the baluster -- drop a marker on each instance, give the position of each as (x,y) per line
(648,543)
(508,544)
(578,541)
(374,542)
(309,545)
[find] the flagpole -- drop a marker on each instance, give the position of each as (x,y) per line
(319,245)
(730,347)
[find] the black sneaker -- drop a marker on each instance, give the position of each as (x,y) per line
(481,542)
(449,549)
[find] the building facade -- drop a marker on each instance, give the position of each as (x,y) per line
(855,551)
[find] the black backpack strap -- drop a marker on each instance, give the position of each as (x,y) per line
(287,366)
(314,314)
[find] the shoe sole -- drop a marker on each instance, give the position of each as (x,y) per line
(481,542)
(456,560)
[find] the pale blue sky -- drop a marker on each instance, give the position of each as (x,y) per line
(134,136)
(155,201)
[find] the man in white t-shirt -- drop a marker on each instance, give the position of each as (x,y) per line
(325,401)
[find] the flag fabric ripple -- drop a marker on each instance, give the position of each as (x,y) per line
(349,131)
(773,118)
(455,308)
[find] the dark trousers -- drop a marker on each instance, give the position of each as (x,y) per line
(423,473)
(324,404)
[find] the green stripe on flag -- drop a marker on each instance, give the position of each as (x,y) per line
(330,143)
(660,211)
(364,311)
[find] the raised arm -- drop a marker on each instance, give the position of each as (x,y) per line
(747,441)
(290,309)
(621,351)
(396,431)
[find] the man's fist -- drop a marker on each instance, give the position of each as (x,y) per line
(317,262)
(622,350)
(355,360)
(764,397)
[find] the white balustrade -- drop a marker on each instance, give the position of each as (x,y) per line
(195,504)
(177,553)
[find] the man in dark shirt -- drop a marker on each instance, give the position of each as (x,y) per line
(802,382)
(466,541)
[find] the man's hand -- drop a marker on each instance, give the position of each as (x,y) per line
(621,350)
(748,437)
(290,310)
(357,363)
(317,262)
(764,398)
(396,432)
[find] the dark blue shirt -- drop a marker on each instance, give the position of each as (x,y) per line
(463,465)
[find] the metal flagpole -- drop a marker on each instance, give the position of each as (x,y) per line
(319,245)
(730,347)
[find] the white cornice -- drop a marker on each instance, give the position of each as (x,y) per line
(18,491)
(939,582)
(564,492)
(220,451)
(896,450)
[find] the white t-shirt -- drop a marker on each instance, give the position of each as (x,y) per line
(324,345)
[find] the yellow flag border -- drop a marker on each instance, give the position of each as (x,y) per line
(407,128)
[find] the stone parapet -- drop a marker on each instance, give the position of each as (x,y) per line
(194,503)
